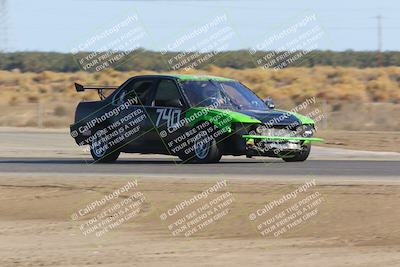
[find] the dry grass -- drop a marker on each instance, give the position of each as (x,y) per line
(356,98)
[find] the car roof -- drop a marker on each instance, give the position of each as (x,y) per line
(186,77)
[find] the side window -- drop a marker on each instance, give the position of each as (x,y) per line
(137,91)
(167,95)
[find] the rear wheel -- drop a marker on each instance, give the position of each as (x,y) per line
(102,152)
(298,156)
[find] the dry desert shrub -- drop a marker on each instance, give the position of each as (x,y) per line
(339,87)
(32,99)
(60,111)
(369,85)
(13,101)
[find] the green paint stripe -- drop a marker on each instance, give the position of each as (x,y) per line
(311,139)
(188,77)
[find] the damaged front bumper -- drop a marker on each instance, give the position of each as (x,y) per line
(273,145)
(282,138)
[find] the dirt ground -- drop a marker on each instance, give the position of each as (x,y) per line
(353,223)
(361,140)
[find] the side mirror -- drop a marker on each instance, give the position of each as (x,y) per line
(269,103)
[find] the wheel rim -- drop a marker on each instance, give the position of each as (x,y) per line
(201,146)
(98,147)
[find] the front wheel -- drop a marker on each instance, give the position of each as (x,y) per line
(298,156)
(205,149)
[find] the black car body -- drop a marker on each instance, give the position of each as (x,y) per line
(197,118)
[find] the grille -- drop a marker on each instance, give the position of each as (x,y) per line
(277,132)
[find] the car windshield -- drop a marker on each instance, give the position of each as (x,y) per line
(224,94)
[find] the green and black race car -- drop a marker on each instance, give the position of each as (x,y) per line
(197,118)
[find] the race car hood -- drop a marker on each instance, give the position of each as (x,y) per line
(225,117)
(278,117)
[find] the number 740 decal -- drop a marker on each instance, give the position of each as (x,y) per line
(171,116)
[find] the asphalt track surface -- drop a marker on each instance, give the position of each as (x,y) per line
(169,166)
(38,152)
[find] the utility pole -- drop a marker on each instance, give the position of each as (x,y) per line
(3,26)
(379,53)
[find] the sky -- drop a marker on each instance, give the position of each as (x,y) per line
(61,25)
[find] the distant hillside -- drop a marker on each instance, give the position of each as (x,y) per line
(150,60)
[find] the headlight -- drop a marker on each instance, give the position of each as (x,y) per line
(306,130)
(308,133)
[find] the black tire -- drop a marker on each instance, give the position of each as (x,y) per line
(298,156)
(205,150)
(102,153)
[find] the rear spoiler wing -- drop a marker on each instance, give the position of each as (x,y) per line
(100,89)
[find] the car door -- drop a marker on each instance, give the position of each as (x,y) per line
(133,121)
(166,111)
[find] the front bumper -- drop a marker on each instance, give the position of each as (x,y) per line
(282,138)
(264,145)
